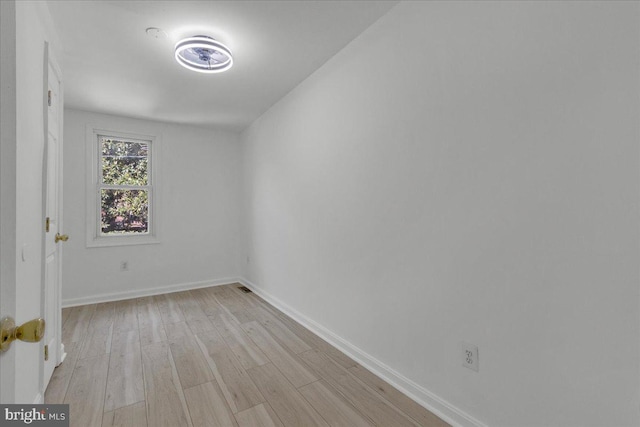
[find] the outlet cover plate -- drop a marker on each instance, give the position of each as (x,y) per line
(469,354)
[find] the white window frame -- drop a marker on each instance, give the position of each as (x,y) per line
(94,235)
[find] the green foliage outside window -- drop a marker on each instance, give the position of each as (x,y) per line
(124,196)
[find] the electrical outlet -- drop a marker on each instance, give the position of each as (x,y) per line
(124,266)
(470,356)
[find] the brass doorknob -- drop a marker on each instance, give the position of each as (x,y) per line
(31,331)
(62,237)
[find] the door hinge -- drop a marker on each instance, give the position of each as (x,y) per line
(46,353)
(49,98)
(46,224)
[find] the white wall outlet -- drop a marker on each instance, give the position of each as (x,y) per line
(470,356)
(124,266)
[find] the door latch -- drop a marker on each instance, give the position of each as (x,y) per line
(61,237)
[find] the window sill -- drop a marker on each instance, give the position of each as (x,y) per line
(108,241)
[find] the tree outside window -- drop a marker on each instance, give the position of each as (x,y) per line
(124,186)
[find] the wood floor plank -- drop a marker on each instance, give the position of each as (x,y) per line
(334,409)
(170,311)
(208,407)
(207,300)
(85,394)
(250,300)
(97,341)
(280,331)
(129,416)
(126,316)
(152,334)
(57,388)
(318,343)
(201,326)
(125,384)
(103,315)
(150,323)
(399,400)
(370,404)
(306,335)
(288,404)
(259,416)
(125,342)
(190,307)
(297,373)
(257,300)
(237,387)
(177,331)
(77,323)
(212,341)
(217,289)
(166,405)
(209,348)
(65,315)
(242,346)
(193,368)
(234,305)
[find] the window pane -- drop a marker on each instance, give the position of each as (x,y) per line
(124,162)
(125,211)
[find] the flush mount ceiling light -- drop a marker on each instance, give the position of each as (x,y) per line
(203,54)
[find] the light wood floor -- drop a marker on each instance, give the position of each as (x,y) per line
(214,357)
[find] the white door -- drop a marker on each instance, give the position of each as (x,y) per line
(53,226)
(7,189)
(12,370)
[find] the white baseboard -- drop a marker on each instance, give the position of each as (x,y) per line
(61,355)
(445,410)
(136,293)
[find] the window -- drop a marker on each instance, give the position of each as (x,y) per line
(124,185)
(122,188)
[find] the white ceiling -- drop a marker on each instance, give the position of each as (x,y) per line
(111,66)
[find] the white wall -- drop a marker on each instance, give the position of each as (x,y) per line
(199,172)
(33,28)
(467,172)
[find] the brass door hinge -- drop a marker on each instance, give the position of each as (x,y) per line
(46,224)
(49,98)
(46,353)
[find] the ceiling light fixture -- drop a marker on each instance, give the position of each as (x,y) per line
(203,54)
